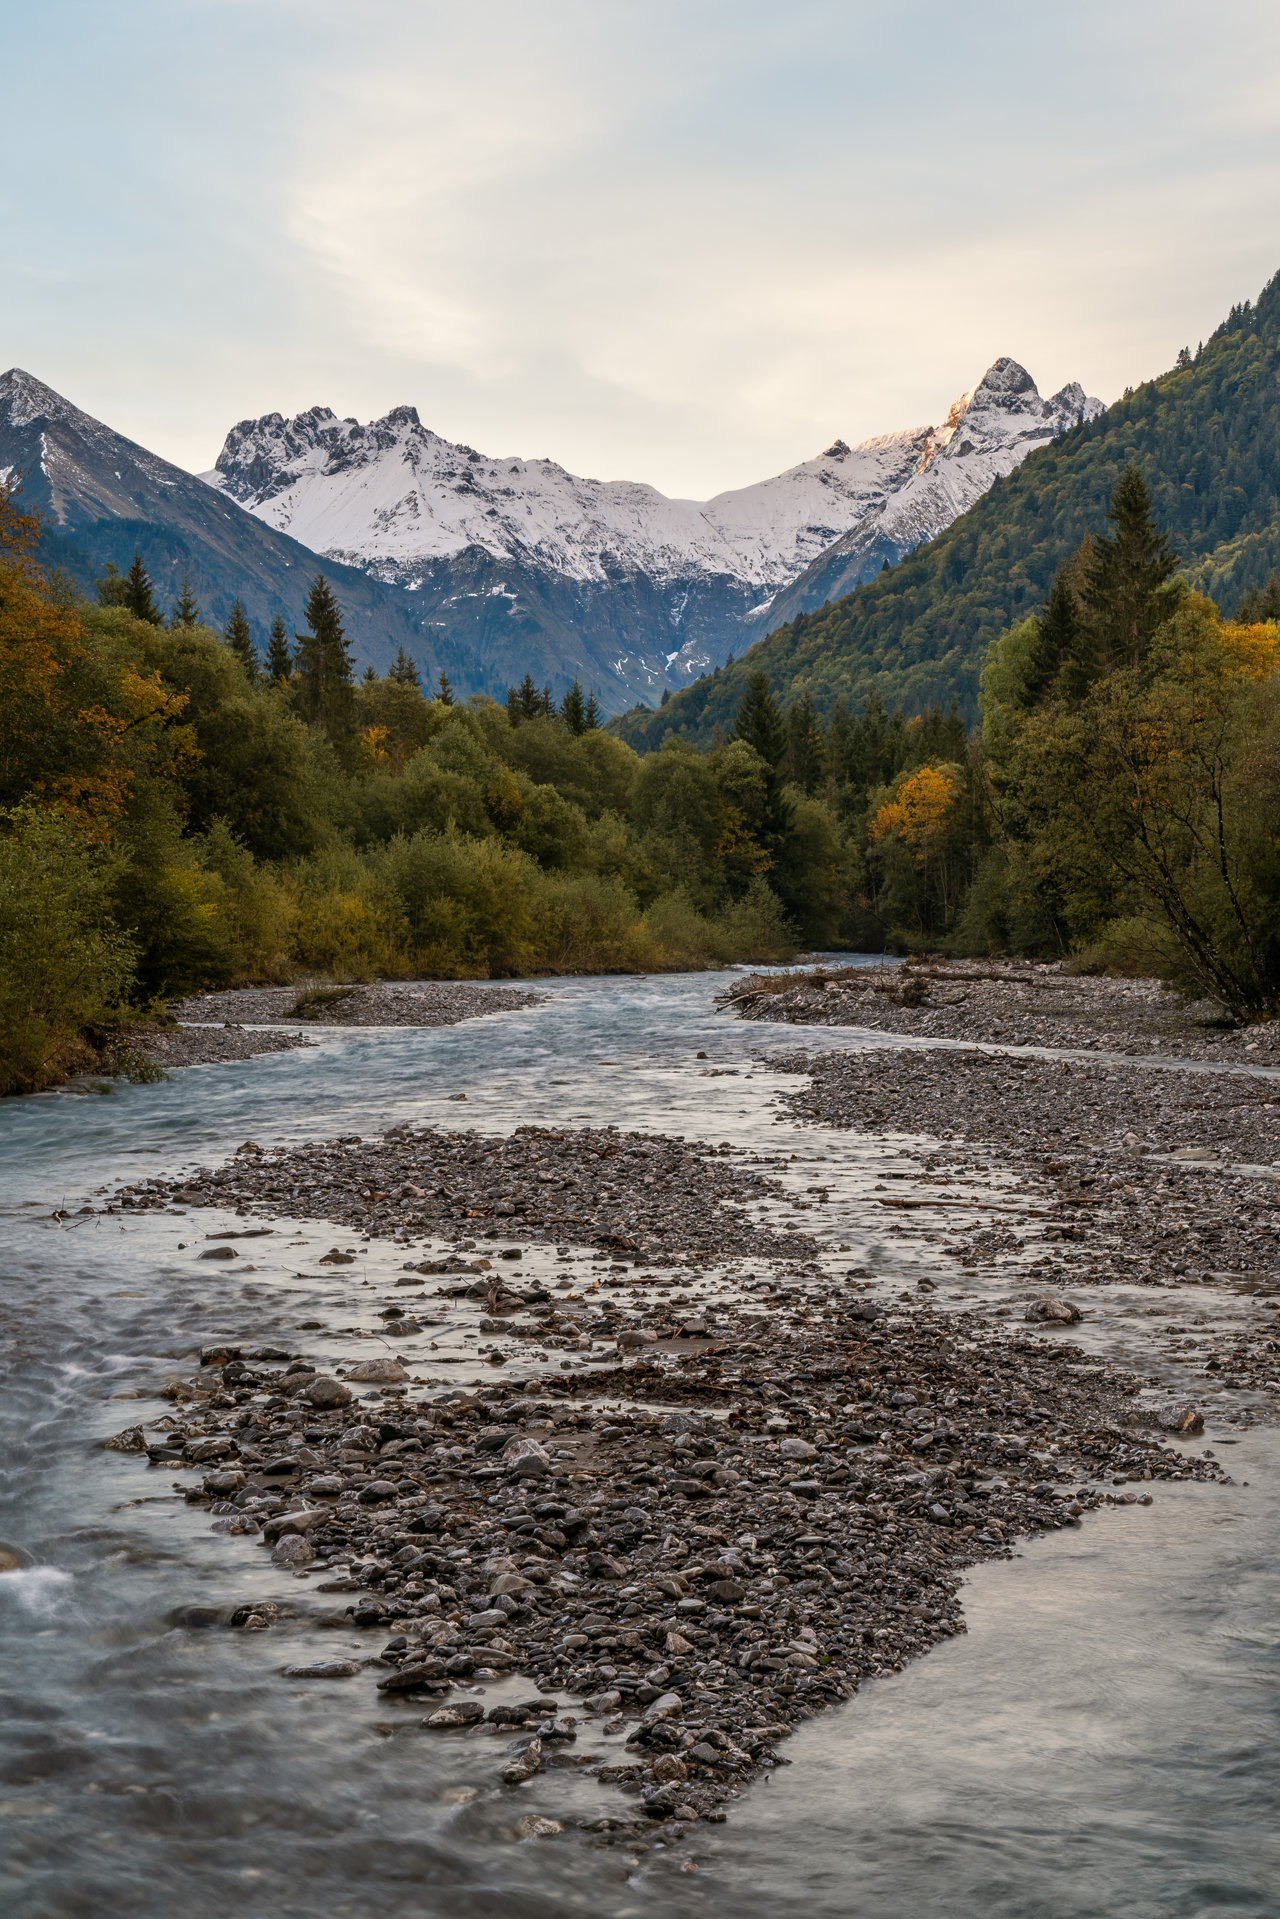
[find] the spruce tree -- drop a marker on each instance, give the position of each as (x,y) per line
(370,677)
(240,640)
(806,748)
(1062,661)
(591,716)
(139,595)
(1126,593)
(444,692)
(323,665)
(185,611)
(279,653)
(524,702)
(759,722)
(404,670)
(573,710)
(1262,605)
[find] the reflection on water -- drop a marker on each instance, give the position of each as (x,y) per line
(1104,1741)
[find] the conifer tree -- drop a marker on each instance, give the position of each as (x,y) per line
(524,702)
(404,670)
(240,640)
(185,611)
(806,748)
(323,664)
(371,678)
(1126,593)
(573,710)
(1063,661)
(445,692)
(759,722)
(279,653)
(139,595)
(591,716)
(1261,605)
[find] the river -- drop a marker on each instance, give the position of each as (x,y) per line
(1104,1740)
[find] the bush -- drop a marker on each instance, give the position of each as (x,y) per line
(65,969)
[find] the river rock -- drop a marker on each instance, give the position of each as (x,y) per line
(378,1372)
(293,1550)
(1180,1418)
(325,1393)
(464,1712)
(325,1669)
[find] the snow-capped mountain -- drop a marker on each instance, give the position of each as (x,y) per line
(678,583)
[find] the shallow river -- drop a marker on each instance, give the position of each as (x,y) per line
(1105,1740)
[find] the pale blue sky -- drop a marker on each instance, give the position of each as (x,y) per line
(687,243)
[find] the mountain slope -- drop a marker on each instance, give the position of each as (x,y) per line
(660,588)
(104,497)
(1206,437)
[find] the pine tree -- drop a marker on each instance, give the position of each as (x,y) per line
(1125,591)
(371,678)
(573,710)
(1261,605)
(445,692)
(404,670)
(591,716)
(546,705)
(806,748)
(1062,660)
(279,653)
(185,611)
(759,722)
(240,640)
(323,666)
(524,702)
(139,595)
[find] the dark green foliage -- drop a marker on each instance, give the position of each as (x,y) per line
(137,595)
(573,710)
(591,715)
(759,722)
(444,692)
(404,670)
(1261,604)
(806,747)
(240,640)
(1064,656)
(185,611)
(1125,596)
(1205,439)
(526,702)
(279,652)
(323,671)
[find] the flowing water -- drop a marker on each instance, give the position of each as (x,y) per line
(1105,1739)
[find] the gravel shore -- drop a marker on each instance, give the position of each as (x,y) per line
(425,1003)
(748,1486)
(213,1045)
(1009,1002)
(776,1506)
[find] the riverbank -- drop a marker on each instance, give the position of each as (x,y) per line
(1008,1003)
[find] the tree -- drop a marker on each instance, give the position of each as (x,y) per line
(138,595)
(1126,592)
(185,611)
(591,716)
(573,710)
(404,670)
(279,652)
(1262,604)
(323,666)
(240,640)
(1062,660)
(759,722)
(445,692)
(524,702)
(806,748)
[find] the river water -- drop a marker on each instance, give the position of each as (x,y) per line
(1104,1740)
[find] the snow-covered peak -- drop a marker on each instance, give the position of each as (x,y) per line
(24,400)
(396,498)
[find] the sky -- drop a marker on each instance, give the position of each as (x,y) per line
(682,241)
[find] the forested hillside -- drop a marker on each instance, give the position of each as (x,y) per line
(1206,439)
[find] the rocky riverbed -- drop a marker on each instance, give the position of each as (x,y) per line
(747,1487)
(772,1509)
(1009,1002)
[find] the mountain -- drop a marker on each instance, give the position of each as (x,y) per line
(1206,437)
(103,497)
(656,589)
